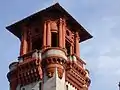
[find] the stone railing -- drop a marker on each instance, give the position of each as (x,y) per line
(77,60)
(31,55)
(54,52)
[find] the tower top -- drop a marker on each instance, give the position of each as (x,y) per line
(60,12)
(49,52)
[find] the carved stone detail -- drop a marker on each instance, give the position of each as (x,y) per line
(77,76)
(53,25)
(52,63)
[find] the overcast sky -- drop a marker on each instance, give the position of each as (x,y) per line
(100,17)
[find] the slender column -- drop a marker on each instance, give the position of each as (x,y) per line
(48,34)
(29,42)
(21,46)
(60,33)
(64,33)
(24,43)
(71,50)
(44,35)
(77,44)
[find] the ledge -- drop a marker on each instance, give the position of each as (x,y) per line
(13,66)
(54,52)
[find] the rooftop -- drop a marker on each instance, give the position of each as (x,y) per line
(56,8)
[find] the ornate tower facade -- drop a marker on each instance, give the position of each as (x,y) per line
(49,53)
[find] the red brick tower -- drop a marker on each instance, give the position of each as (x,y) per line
(49,52)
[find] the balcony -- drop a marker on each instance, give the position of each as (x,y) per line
(52,52)
(36,54)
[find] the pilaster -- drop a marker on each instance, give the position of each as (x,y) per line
(48,34)
(64,32)
(44,35)
(60,33)
(77,44)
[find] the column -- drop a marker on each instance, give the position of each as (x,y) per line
(21,46)
(60,34)
(25,42)
(24,45)
(44,35)
(48,34)
(77,44)
(64,33)
(71,49)
(29,40)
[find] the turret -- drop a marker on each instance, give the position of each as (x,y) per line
(49,44)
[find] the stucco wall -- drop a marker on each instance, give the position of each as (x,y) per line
(70,87)
(32,86)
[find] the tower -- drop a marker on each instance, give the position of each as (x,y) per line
(49,52)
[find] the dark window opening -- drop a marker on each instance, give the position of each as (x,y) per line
(23,88)
(54,39)
(66,87)
(40,86)
(37,44)
(36,30)
(74,48)
(67,45)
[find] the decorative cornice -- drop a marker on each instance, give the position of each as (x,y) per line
(76,76)
(26,72)
(54,62)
